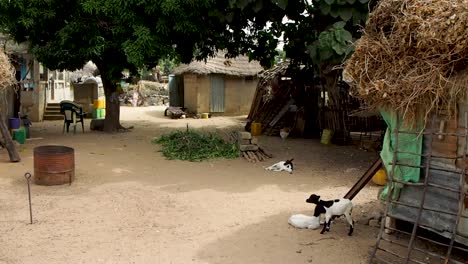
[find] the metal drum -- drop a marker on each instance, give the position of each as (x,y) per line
(54,165)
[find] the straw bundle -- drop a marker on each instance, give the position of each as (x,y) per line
(412,56)
(7,72)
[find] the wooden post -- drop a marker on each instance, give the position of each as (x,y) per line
(10,146)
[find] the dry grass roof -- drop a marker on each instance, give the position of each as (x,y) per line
(239,66)
(412,57)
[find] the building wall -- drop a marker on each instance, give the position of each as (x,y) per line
(33,100)
(448,175)
(462,149)
(238,93)
(204,93)
(190,92)
(84,94)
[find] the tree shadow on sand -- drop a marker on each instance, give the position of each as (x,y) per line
(274,241)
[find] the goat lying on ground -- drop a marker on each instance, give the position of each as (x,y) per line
(304,221)
(282,166)
(332,208)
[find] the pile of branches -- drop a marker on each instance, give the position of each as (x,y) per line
(7,72)
(196,146)
(412,57)
(7,80)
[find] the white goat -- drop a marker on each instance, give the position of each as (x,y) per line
(282,166)
(304,221)
(331,209)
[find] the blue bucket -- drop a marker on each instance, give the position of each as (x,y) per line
(14,123)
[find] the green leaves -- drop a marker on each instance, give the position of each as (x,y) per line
(332,44)
(281,3)
(132,33)
(195,146)
(345,13)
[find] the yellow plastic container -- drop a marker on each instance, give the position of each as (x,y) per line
(327,136)
(380,177)
(99,103)
(204,115)
(256,129)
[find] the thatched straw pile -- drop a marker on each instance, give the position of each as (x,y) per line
(412,57)
(239,66)
(7,72)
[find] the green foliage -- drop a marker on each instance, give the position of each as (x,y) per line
(137,34)
(280,57)
(167,65)
(316,33)
(332,44)
(115,34)
(195,146)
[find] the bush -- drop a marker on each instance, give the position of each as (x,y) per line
(195,146)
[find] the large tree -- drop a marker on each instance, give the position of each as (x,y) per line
(133,34)
(318,34)
(114,34)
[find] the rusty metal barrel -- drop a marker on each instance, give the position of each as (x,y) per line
(54,165)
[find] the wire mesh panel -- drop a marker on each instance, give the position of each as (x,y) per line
(434,204)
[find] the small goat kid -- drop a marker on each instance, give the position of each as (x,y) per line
(282,166)
(332,209)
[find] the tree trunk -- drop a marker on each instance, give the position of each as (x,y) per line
(112,119)
(10,146)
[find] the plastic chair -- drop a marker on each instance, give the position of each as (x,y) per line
(73,114)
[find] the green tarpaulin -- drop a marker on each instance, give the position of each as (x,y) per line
(406,143)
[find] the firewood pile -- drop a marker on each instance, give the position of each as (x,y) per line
(249,149)
(269,106)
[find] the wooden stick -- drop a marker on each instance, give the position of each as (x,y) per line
(266,154)
(265,157)
(258,155)
(252,156)
(246,156)
(9,145)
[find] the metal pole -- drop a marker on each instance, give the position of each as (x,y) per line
(27,175)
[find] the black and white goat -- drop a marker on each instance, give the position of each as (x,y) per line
(331,209)
(282,166)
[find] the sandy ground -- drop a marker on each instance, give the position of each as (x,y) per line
(130,205)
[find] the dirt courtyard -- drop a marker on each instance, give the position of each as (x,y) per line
(128,204)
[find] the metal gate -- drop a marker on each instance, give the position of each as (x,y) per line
(217,94)
(428,210)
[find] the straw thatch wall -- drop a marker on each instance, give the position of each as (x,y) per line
(7,72)
(7,80)
(239,66)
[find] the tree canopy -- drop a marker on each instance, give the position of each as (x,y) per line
(133,34)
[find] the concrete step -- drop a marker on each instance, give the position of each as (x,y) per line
(53,107)
(53,117)
(52,112)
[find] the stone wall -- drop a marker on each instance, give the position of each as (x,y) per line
(149,94)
